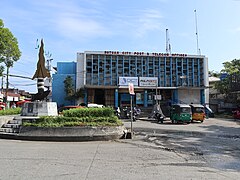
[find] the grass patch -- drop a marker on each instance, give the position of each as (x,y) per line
(11,111)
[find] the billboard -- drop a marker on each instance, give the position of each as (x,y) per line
(148,81)
(124,81)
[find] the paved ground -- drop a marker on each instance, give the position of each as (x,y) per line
(210,150)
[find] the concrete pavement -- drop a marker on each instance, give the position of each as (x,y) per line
(122,159)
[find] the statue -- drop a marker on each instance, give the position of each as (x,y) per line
(41,73)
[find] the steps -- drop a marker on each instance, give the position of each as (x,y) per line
(12,126)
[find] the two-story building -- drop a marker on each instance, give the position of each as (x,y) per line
(175,78)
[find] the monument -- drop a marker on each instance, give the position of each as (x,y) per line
(39,105)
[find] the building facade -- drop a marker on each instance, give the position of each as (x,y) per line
(174,78)
(64,69)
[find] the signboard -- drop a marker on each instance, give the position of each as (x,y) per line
(158,97)
(148,81)
(124,81)
(157,54)
(131,88)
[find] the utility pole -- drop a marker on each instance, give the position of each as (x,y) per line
(198,49)
(168,45)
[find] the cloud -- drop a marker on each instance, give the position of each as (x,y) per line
(236,30)
(149,20)
(76,26)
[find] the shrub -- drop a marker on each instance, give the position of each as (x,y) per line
(89,112)
(61,121)
(11,111)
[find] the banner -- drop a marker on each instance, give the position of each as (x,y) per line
(131,88)
(124,81)
(148,81)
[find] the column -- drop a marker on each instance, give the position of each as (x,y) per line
(116,97)
(202,96)
(145,98)
(175,96)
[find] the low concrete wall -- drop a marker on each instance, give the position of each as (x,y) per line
(72,133)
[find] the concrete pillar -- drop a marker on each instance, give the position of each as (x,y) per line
(175,96)
(202,96)
(116,97)
(145,98)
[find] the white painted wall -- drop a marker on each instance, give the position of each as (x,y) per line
(189,96)
(206,80)
(81,68)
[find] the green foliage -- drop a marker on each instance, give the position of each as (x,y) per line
(11,111)
(71,94)
(62,121)
(89,112)
(79,117)
(224,86)
(9,51)
(1,70)
(232,67)
(69,88)
(213,74)
(79,93)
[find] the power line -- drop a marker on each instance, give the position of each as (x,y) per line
(18,76)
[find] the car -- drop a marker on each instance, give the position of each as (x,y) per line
(93,105)
(61,109)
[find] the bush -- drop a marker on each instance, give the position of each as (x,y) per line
(11,111)
(89,112)
(63,121)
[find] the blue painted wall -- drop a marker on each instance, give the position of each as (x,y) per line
(64,69)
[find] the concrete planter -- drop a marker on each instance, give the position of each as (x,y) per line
(81,133)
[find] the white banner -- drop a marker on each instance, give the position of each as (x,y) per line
(148,81)
(124,81)
(131,88)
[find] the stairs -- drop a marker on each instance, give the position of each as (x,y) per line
(12,126)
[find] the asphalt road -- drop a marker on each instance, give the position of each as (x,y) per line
(209,150)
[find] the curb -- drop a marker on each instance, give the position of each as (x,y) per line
(74,134)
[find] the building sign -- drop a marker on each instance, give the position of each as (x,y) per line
(144,54)
(124,81)
(148,81)
(131,88)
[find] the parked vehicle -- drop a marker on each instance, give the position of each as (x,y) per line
(2,105)
(159,117)
(198,112)
(126,113)
(209,112)
(117,112)
(95,105)
(181,113)
(236,114)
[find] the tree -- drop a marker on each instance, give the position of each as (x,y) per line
(69,89)
(213,74)
(225,86)
(9,50)
(71,94)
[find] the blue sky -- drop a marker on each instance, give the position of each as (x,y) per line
(71,26)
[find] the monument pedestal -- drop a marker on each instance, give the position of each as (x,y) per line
(39,109)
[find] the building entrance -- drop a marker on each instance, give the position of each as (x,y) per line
(99,97)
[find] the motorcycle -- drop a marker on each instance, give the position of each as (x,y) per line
(159,117)
(236,114)
(127,113)
(117,112)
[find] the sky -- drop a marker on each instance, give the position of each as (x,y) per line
(71,26)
